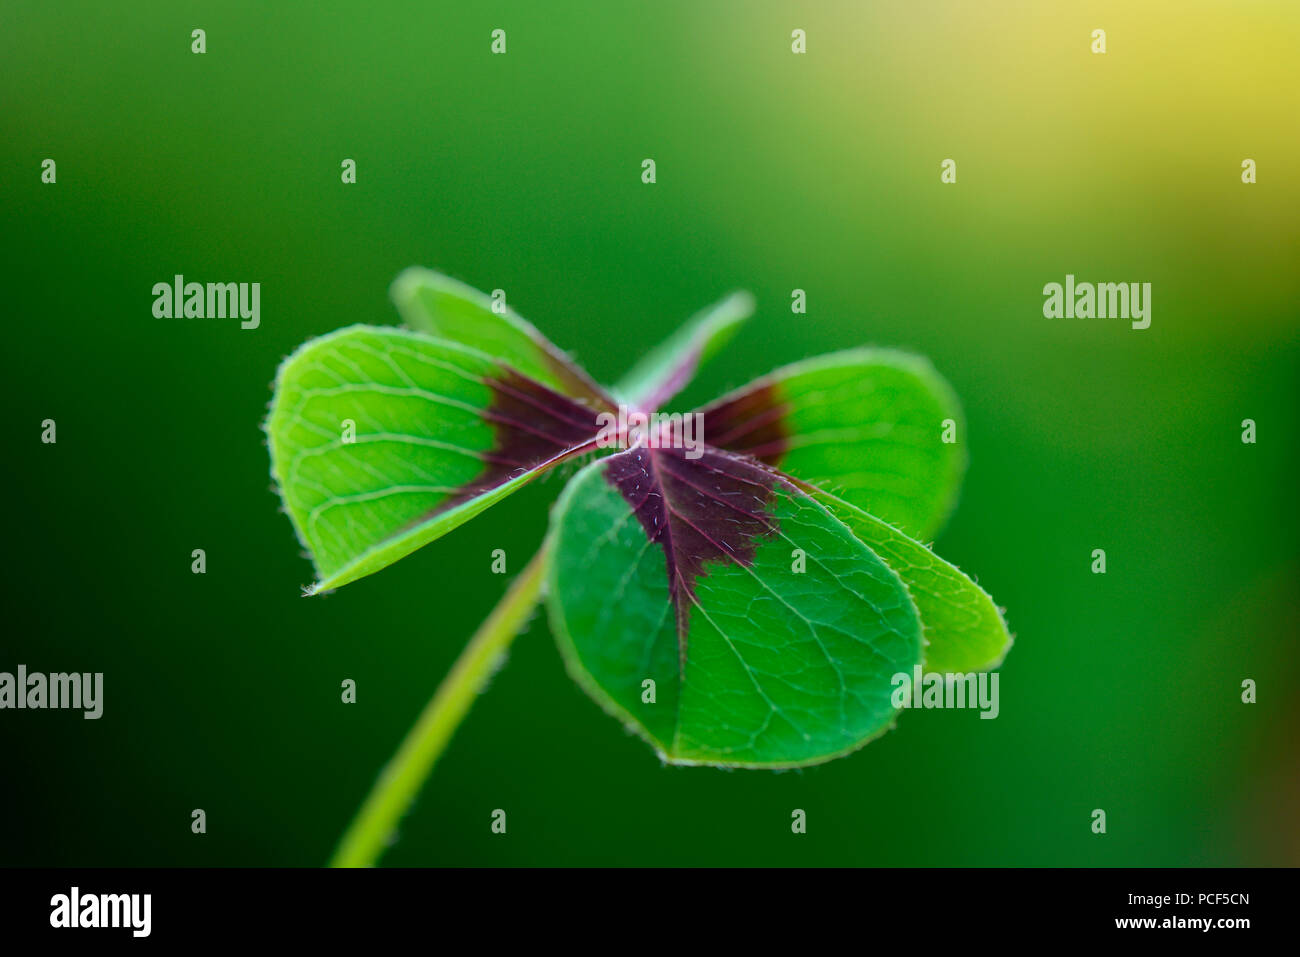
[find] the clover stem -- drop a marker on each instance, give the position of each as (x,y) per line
(368,836)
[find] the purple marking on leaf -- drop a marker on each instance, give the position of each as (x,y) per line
(752,422)
(534,426)
(709,509)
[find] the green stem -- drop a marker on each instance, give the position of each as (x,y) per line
(368,835)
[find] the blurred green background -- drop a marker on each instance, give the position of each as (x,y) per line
(775,172)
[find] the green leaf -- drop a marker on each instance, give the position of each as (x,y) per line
(382,440)
(963,629)
(449,310)
(771,633)
(670,366)
(865,424)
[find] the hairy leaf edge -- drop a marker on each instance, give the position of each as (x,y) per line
(991,665)
(371,560)
(580,676)
(403,291)
(911,362)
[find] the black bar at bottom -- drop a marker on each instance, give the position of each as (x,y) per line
(233,906)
